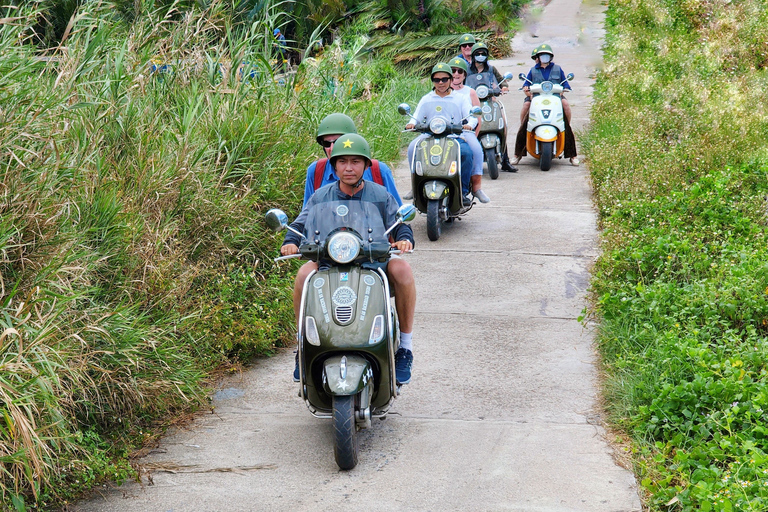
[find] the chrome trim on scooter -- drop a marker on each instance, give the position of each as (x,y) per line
(300,336)
(391,329)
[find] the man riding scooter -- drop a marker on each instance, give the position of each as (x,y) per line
(350,157)
(545,70)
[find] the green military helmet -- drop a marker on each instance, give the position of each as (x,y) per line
(479,46)
(542,48)
(351,144)
(441,67)
(335,124)
(460,63)
(466,39)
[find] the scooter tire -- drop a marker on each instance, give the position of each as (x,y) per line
(433,220)
(344,432)
(545,162)
(493,165)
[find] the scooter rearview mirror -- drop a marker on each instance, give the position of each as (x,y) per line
(521,76)
(404,109)
(476,111)
(508,75)
(406,213)
(276,219)
(569,76)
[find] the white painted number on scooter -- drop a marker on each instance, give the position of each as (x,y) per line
(323,305)
(365,299)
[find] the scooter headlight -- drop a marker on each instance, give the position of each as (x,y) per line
(343,247)
(546,87)
(482,92)
(438,125)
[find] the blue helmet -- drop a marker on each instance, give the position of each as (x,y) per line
(276,31)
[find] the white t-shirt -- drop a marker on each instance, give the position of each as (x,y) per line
(456,104)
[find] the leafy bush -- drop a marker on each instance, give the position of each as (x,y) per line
(137,165)
(677,159)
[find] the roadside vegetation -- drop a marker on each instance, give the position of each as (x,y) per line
(141,144)
(677,152)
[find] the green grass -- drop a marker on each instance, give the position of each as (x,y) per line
(680,171)
(133,256)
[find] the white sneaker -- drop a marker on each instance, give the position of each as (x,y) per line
(480,195)
(574,161)
(514,160)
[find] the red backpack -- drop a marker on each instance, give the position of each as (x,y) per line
(375,172)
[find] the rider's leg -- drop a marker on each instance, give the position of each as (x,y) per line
(566,109)
(525,110)
(477,166)
(466,166)
(404,286)
(298,285)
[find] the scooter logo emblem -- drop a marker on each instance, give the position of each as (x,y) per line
(438,108)
(319,282)
(342,210)
(344,296)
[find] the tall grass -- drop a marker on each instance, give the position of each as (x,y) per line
(133,259)
(680,171)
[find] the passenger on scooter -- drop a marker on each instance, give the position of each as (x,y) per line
(459,73)
(331,128)
(545,70)
(480,64)
(350,157)
(466,42)
(457,107)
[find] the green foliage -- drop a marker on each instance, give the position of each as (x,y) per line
(135,170)
(677,157)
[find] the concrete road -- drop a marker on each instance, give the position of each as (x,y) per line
(502,410)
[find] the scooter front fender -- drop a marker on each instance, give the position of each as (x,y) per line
(489,140)
(346,374)
(435,190)
(546,133)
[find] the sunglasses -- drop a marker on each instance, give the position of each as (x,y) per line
(466,45)
(441,80)
(481,54)
(327,143)
(457,70)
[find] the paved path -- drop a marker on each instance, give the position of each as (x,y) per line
(501,413)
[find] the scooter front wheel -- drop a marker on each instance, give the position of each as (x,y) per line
(344,431)
(493,165)
(433,220)
(545,162)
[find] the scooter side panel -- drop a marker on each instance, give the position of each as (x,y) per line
(347,379)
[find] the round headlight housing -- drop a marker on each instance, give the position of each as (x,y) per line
(546,87)
(343,247)
(438,125)
(482,91)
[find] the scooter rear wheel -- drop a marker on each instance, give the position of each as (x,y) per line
(344,431)
(493,165)
(546,155)
(433,220)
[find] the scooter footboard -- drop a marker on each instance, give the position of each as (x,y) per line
(346,374)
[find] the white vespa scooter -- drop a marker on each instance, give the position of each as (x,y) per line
(546,122)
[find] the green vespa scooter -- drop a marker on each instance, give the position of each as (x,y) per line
(436,167)
(348,330)
(493,127)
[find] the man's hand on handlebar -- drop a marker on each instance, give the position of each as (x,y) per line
(289,249)
(409,126)
(403,245)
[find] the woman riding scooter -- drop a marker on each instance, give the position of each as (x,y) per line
(494,80)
